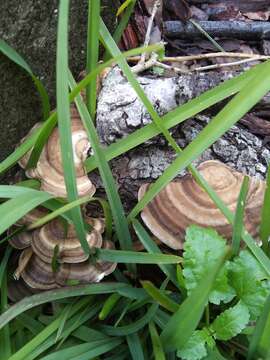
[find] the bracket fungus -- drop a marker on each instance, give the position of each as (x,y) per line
(45,239)
(52,255)
(49,169)
(182,203)
(38,274)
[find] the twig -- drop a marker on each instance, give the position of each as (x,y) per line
(219,66)
(206,56)
(142,65)
(149,28)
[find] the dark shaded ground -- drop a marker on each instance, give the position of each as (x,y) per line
(30,27)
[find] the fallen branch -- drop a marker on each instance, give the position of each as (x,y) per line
(223,29)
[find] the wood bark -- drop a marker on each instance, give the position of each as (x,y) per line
(120,112)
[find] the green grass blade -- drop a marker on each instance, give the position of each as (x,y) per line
(118,213)
(12,210)
(4,262)
(122,25)
(134,257)
(135,347)
(17,59)
(52,295)
(160,297)
(64,122)
(63,320)
(183,323)
(205,33)
(238,225)
(133,327)
(114,50)
(85,351)
(226,118)
(73,323)
(107,215)
(265,223)
(260,337)
(44,335)
(156,342)
(5,332)
(108,306)
(59,212)
(92,53)
(175,117)
(152,248)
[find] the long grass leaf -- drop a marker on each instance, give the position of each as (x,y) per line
(5,332)
(121,26)
(114,50)
(260,337)
(108,306)
(265,223)
(160,297)
(92,53)
(60,211)
(238,224)
(52,295)
(133,327)
(5,338)
(152,248)
(46,333)
(185,320)
(85,351)
(118,213)
(156,342)
(64,122)
(39,346)
(133,257)
(135,347)
(17,59)
(12,210)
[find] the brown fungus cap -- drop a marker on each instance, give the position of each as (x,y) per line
(21,240)
(39,275)
(49,168)
(54,234)
(182,203)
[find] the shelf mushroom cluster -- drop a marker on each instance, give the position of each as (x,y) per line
(39,247)
(182,203)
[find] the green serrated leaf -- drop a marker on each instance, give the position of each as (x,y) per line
(195,348)
(251,290)
(202,248)
(231,322)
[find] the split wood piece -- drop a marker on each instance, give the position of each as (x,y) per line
(39,275)
(183,203)
(222,29)
(49,168)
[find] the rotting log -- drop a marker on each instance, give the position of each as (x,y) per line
(222,29)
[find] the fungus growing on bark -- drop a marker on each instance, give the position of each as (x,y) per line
(182,203)
(52,234)
(39,274)
(49,169)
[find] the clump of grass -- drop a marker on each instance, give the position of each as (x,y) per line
(216,306)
